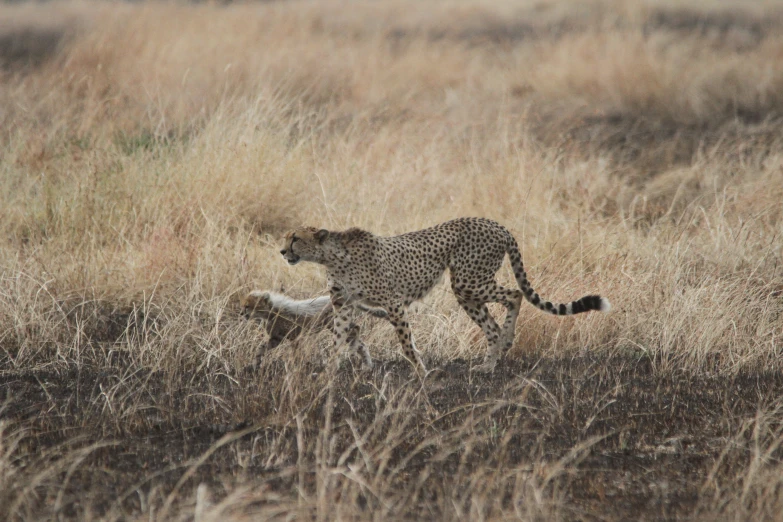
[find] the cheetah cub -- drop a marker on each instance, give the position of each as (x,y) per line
(286,318)
(391,272)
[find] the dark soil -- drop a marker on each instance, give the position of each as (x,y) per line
(651,439)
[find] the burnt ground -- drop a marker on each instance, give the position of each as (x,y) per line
(637,444)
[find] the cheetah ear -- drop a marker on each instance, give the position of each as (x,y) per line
(321,235)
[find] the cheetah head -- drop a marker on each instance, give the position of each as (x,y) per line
(256,304)
(304,244)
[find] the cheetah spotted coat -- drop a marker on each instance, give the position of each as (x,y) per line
(392,272)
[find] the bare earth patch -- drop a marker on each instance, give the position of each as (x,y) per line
(608,437)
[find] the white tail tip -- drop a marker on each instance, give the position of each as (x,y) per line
(606,306)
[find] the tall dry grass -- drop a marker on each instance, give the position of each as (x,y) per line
(153,155)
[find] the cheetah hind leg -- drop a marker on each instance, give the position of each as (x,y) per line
(512,300)
(480,315)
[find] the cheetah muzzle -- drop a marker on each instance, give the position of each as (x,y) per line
(290,257)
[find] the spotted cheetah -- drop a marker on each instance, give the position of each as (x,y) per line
(392,272)
(286,318)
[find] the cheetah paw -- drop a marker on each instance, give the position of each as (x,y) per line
(486,367)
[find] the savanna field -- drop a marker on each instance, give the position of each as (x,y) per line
(153,155)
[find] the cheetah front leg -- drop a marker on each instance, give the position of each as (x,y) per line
(398,317)
(357,346)
(346,332)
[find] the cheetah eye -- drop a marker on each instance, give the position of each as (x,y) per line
(294,239)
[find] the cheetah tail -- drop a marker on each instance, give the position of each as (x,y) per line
(584,304)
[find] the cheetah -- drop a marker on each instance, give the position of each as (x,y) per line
(286,318)
(393,272)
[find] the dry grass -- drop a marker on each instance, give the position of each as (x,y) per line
(153,154)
